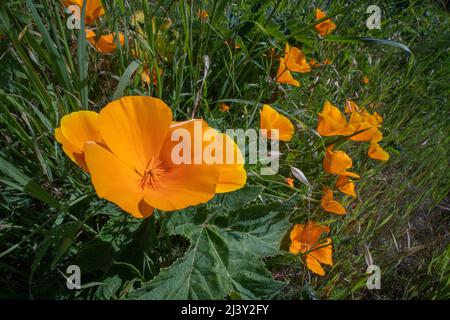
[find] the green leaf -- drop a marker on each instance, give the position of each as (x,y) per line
(125,79)
(225,252)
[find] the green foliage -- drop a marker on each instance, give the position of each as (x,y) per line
(227,244)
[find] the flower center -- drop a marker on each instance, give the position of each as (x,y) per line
(153,174)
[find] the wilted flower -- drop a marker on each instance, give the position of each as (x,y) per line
(306,239)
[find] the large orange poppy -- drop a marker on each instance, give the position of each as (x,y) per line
(306,239)
(127,149)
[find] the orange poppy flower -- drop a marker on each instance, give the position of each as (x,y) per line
(325,27)
(272,119)
(337,162)
(332,122)
(224,107)
(314,63)
(365,80)
(376,152)
(94,9)
(104,44)
(346,185)
(366,126)
(327,62)
(306,239)
(331,205)
(285,76)
(295,60)
(127,149)
(289,182)
(202,14)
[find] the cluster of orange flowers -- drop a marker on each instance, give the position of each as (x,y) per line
(294,59)
(361,126)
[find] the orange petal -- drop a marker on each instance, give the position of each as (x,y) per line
(312,232)
(296,247)
(325,27)
(115,181)
(371,134)
(332,122)
(135,128)
(295,60)
(232,175)
(331,205)
(76,129)
(337,162)
(272,119)
(351,106)
(376,152)
(226,154)
(314,265)
(184,186)
(345,185)
(105,43)
(285,76)
(324,252)
(296,232)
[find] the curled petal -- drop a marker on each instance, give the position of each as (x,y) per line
(272,119)
(76,129)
